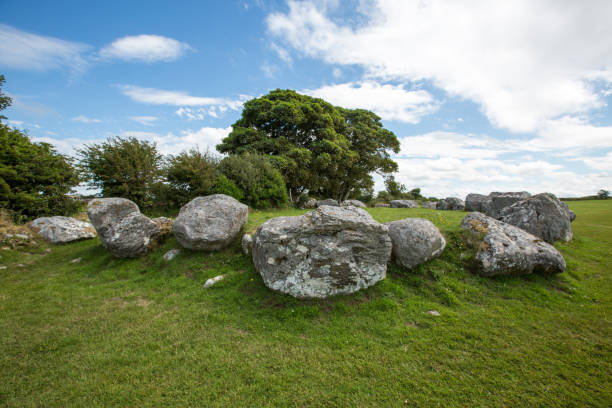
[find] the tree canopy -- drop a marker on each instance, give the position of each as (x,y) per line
(5,101)
(319,148)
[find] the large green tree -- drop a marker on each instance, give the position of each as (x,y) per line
(319,148)
(34,178)
(5,101)
(122,167)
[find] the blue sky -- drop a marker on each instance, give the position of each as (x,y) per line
(484,96)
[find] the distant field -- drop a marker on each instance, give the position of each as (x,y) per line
(144,332)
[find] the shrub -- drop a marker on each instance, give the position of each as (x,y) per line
(121,167)
(34,178)
(223,185)
(261,183)
(191,174)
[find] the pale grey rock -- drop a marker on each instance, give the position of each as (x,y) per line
(123,230)
(415,240)
(403,204)
(503,249)
(328,201)
(247,243)
(382,205)
(210,223)
(214,280)
(429,204)
(171,254)
(59,230)
(499,201)
(451,203)
(24,237)
(572,215)
(542,215)
(476,202)
(325,252)
(433,313)
(311,203)
(76,260)
(354,203)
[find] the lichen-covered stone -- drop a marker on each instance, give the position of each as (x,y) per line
(503,249)
(415,240)
(498,201)
(451,203)
(430,204)
(60,230)
(328,201)
(404,204)
(476,202)
(247,243)
(354,203)
(326,252)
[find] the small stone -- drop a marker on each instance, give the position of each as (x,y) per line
(433,313)
(171,254)
(22,236)
(20,265)
(48,250)
(5,248)
(2,267)
(247,243)
(214,280)
(76,260)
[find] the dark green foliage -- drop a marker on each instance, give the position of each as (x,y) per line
(397,191)
(191,174)
(126,168)
(603,194)
(261,183)
(223,185)
(5,101)
(34,178)
(319,148)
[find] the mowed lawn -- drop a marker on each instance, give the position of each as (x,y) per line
(144,332)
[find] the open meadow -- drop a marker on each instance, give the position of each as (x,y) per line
(144,332)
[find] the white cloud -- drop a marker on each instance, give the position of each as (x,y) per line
(203,138)
(390,102)
(22,50)
(453,145)
(603,163)
(15,123)
(525,62)
(177,98)
(145,48)
(144,120)
(85,119)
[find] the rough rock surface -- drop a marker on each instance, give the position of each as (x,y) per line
(430,204)
(210,223)
(354,203)
(451,203)
(415,240)
(503,249)
(476,202)
(404,204)
(311,203)
(328,201)
(212,281)
(165,225)
(171,254)
(247,244)
(326,252)
(382,205)
(542,215)
(59,230)
(499,201)
(572,215)
(123,230)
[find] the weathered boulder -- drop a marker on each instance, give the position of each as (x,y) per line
(415,240)
(59,230)
(476,202)
(209,223)
(430,204)
(499,201)
(451,203)
(572,215)
(354,203)
(382,205)
(326,252)
(503,249)
(311,203)
(123,230)
(542,215)
(328,201)
(404,204)
(247,243)
(165,225)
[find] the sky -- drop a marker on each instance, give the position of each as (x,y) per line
(483,95)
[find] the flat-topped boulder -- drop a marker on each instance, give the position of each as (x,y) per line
(325,252)
(503,249)
(123,230)
(415,240)
(60,230)
(451,203)
(354,203)
(404,204)
(542,215)
(430,204)
(209,223)
(476,202)
(328,201)
(498,201)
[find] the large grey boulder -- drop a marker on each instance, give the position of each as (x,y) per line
(328,201)
(476,202)
(404,204)
(59,230)
(354,203)
(542,215)
(123,230)
(325,252)
(451,203)
(572,215)
(499,201)
(415,240)
(209,223)
(430,204)
(503,249)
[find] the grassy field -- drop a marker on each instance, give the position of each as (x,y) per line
(144,332)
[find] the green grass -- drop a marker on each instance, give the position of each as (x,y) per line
(144,332)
